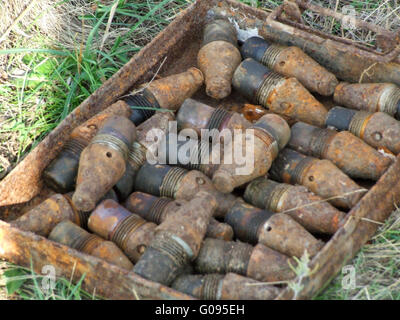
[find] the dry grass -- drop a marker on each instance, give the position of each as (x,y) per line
(62,26)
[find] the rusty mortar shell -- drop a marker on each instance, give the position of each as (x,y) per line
(200,154)
(61,173)
(130,232)
(196,115)
(378,129)
(218,57)
(103,162)
(260,262)
(139,150)
(291,61)
(348,152)
(44,217)
(321,177)
(271,133)
(75,237)
(279,94)
(156,209)
(275,230)
(372,97)
(308,209)
(179,184)
(177,240)
(142,108)
(224,287)
(170,92)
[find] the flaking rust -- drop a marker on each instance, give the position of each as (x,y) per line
(260,262)
(277,231)
(180,184)
(291,61)
(149,135)
(308,209)
(61,173)
(282,95)
(270,134)
(348,152)
(170,92)
(129,231)
(378,129)
(372,97)
(345,58)
(157,209)
(224,287)
(103,162)
(45,216)
(196,115)
(321,177)
(218,57)
(75,237)
(177,240)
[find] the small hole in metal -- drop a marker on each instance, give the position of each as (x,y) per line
(109,155)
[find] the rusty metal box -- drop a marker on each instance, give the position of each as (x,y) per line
(178,45)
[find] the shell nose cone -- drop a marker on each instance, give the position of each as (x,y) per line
(277,127)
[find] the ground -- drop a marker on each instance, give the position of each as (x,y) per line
(55,54)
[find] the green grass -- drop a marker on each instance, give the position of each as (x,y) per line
(49,77)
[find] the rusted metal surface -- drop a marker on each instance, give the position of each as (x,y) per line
(217,256)
(179,183)
(181,42)
(285,96)
(103,162)
(157,209)
(68,233)
(218,57)
(311,211)
(378,129)
(346,59)
(291,62)
(320,176)
(275,230)
(128,230)
(373,97)
(60,175)
(177,240)
(101,278)
(170,92)
(270,134)
(196,115)
(345,150)
(229,287)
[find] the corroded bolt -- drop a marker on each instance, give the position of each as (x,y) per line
(277,231)
(378,129)
(285,96)
(320,176)
(180,184)
(308,209)
(260,262)
(270,134)
(372,97)
(61,173)
(129,231)
(155,209)
(44,217)
(218,57)
(141,148)
(75,237)
(291,62)
(177,240)
(224,287)
(170,92)
(348,152)
(103,162)
(196,115)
